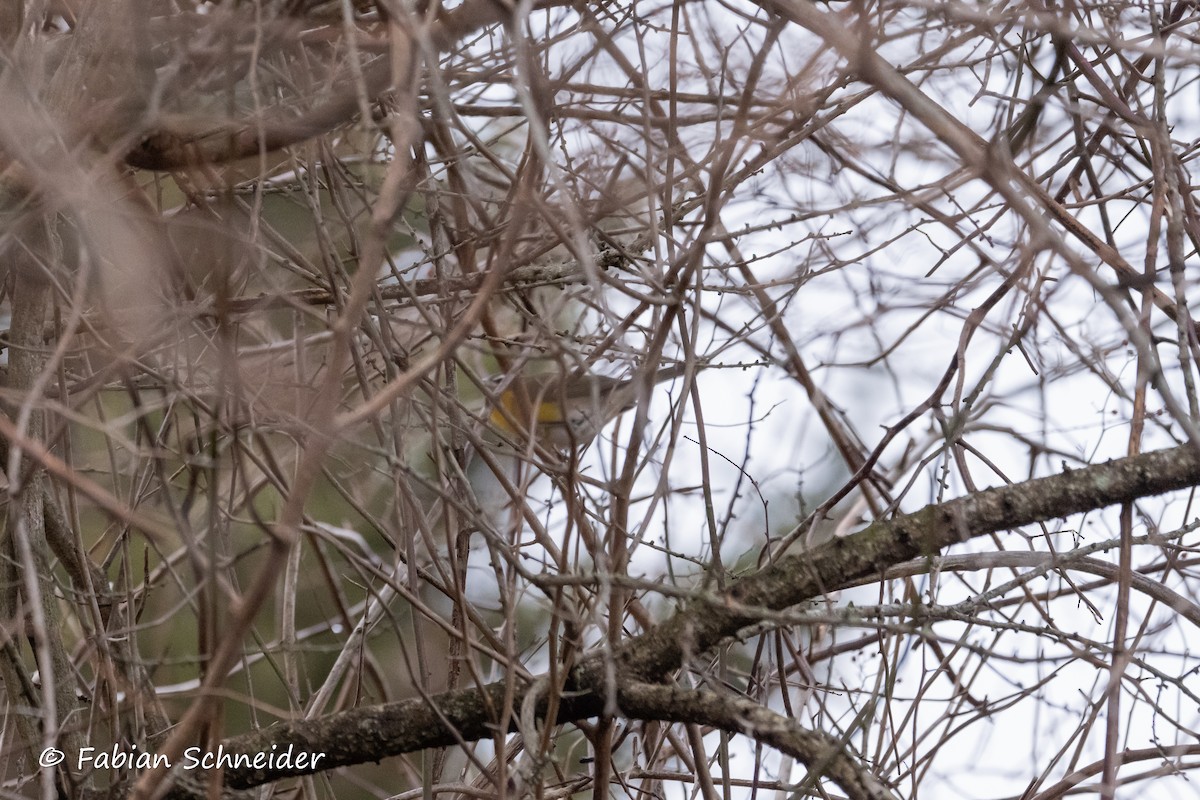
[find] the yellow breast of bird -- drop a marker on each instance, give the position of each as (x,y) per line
(553,424)
(549,411)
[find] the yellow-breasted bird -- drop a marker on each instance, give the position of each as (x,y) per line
(567,410)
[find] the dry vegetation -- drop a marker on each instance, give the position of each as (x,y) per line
(270,268)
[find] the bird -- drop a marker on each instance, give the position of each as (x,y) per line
(567,410)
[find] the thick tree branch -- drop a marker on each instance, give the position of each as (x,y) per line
(369,734)
(824,755)
(193,141)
